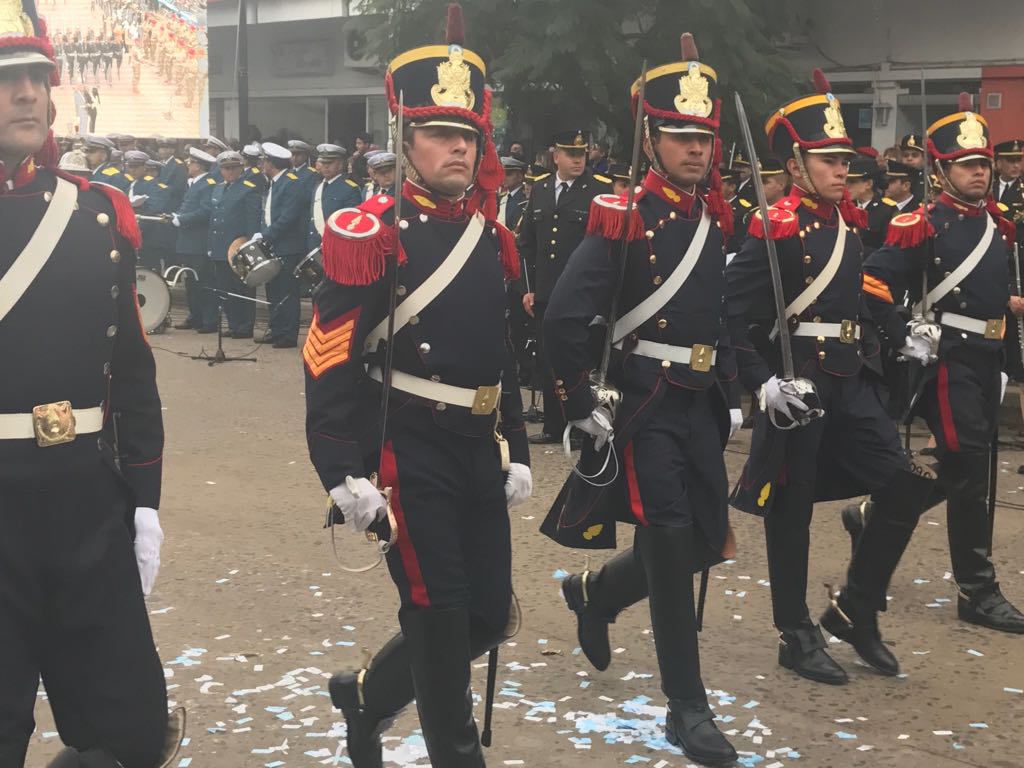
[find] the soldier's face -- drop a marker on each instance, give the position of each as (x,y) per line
(620,186)
(684,156)
(328,168)
(914,158)
(970,179)
(95,157)
(231,173)
(513,179)
(24,109)
(194,168)
(444,157)
(774,187)
(569,162)
(165,153)
(897,188)
(135,170)
(859,188)
(1009,168)
(827,174)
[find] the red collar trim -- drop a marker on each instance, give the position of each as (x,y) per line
(800,198)
(24,174)
(432,204)
(677,197)
(960,206)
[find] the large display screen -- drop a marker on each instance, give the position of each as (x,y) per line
(135,67)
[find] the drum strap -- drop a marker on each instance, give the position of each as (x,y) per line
(39,248)
(318,208)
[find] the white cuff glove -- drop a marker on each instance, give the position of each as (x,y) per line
(174,220)
(735,421)
(1003,381)
(256,238)
(360,502)
(598,425)
(773,396)
(519,485)
(148,539)
(918,348)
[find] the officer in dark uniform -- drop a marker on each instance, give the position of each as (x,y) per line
(745,188)
(619,174)
(967,279)
(913,149)
(97,154)
(730,183)
(81,438)
(903,186)
(214,146)
(853,447)
(285,208)
(553,225)
(674,420)
(382,170)
(235,210)
(860,181)
(302,165)
(451,384)
(512,203)
(334,192)
(513,197)
(192,221)
(1008,192)
(253,156)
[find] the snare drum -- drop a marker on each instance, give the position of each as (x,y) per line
(154,298)
(310,271)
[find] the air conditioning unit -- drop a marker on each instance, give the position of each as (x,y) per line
(358,54)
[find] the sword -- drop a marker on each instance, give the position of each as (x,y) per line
(604,393)
(1020,291)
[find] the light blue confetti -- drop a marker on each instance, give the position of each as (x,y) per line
(979,725)
(634,759)
(185,762)
(845,735)
(751,704)
(560,574)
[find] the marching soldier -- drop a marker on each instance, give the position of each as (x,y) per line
(852,447)
(285,208)
(97,153)
(234,218)
(81,438)
(192,221)
(860,181)
(674,419)
(334,192)
(965,269)
(451,385)
(553,225)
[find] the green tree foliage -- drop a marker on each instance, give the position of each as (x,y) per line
(559,63)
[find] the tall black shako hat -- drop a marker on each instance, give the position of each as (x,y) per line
(444,85)
(682,97)
(960,136)
(23,37)
(809,124)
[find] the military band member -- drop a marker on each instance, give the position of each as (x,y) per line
(334,191)
(302,165)
(75,490)
(674,419)
(214,146)
(853,447)
(253,156)
(965,265)
(235,210)
(97,154)
(192,223)
(451,384)
(381,167)
(285,207)
(149,197)
(619,174)
(172,170)
(554,224)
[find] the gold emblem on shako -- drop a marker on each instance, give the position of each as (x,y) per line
(972,133)
(693,93)
(834,126)
(453,87)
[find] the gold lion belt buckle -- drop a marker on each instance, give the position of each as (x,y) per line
(486,400)
(700,357)
(848,332)
(53,423)
(994,328)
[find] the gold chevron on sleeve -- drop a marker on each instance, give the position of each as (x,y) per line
(330,344)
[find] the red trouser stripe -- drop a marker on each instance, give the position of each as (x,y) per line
(946,411)
(635,503)
(410,562)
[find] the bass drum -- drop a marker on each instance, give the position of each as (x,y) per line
(154,298)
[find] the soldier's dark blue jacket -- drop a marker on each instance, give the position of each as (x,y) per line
(289,205)
(194,216)
(235,211)
(91,349)
(109,174)
(459,339)
(340,192)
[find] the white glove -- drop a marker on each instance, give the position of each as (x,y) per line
(598,425)
(918,348)
(360,502)
(735,421)
(519,485)
(773,396)
(174,220)
(148,538)
(1003,381)
(256,238)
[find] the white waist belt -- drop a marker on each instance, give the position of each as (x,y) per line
(846,331)
(22,426)
(990,329)
(481,401)
(681,355)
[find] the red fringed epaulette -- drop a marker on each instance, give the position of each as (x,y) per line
(355,246)
(378,205)
(999,212)
(124,215)
(853,215)
(607,218)
(783,224)
(509,251)
(908,230)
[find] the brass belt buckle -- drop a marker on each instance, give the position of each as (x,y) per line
(53,423)
(700,357)
(486,400)
(848,331)
(994,328)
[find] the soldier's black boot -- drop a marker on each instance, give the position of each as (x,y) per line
(801,645)
(439,655)
(668,556)
(965,476)
(597,598)
(854,516)
(94,758)
(853,615)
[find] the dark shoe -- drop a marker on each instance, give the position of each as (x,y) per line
(185,325)
(267,339)
(544,438)
(988,608)
(591,630)
(803,651)
(241,334)
(206,330)
(855,622)
(690,725)
(853,522)
(965,477)
(285,344)
(363,731)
